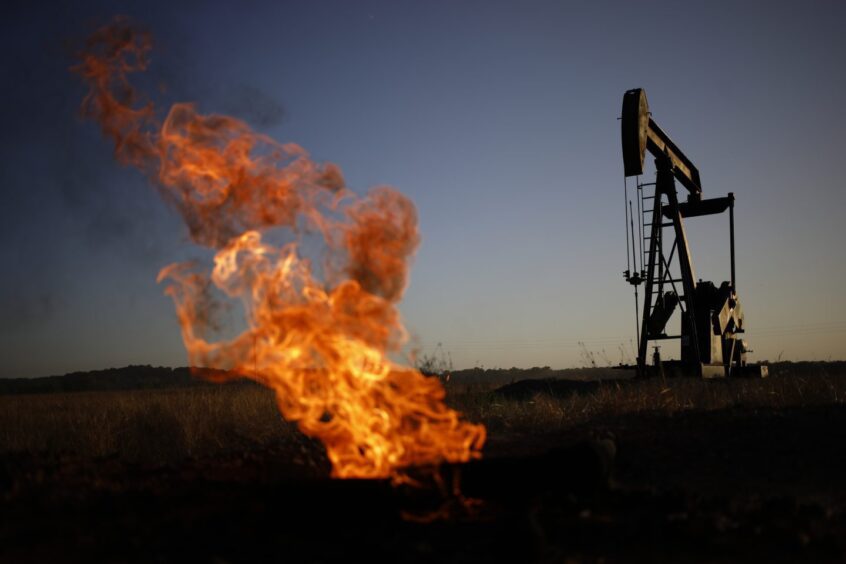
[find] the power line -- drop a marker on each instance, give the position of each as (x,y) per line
(495,344)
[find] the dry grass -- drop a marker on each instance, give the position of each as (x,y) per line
(163,426)
(549,411)
(156,426)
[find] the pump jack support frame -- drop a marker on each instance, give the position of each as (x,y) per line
(665,186)
(711,316)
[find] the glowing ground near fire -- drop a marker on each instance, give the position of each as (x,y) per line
(322,343)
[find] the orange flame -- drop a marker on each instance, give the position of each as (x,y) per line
(322,345)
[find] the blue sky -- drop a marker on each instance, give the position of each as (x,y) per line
(499,119)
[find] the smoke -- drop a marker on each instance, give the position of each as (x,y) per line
(52,183)
(115,214)
(253,105)
(27,308)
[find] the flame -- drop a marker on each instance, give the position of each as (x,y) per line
(320,338)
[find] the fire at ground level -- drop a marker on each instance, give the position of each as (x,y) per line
(748,481)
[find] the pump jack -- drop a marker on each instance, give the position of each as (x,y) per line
(711,317)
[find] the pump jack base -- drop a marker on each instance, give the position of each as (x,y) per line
(677,369)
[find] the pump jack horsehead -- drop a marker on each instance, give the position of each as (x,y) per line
(711,316)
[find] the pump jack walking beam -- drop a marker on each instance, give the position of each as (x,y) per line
(640,132)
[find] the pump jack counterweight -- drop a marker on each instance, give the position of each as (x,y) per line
(711,317)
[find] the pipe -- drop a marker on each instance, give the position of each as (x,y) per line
(731,237)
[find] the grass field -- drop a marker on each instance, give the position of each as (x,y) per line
(144,426)
(737,470)
(165,426)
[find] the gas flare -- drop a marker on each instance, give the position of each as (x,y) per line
(321,338)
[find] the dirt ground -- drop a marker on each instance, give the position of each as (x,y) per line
(733,484)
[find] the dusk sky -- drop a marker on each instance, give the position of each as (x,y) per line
(498,119)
